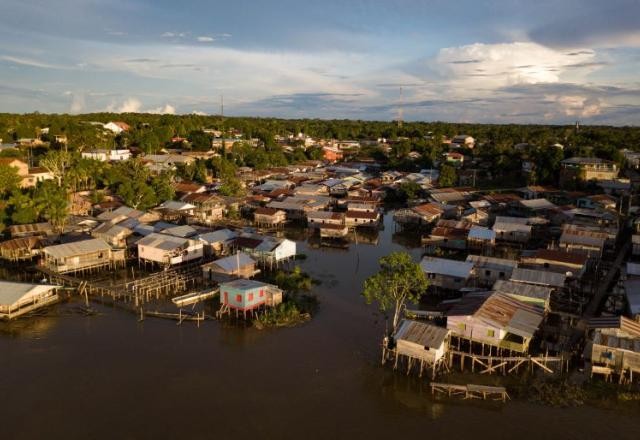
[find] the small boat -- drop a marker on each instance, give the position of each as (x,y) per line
(194,297)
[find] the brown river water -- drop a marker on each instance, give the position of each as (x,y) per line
(108,376)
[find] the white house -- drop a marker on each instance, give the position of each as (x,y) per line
(104,155)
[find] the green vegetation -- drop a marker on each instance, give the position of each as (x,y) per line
(298,305)
(399,280)
(286,314)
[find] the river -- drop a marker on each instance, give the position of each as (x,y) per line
(109,376)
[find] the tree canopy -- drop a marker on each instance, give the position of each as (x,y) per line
(399,280)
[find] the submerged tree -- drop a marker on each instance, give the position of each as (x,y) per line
(399,280)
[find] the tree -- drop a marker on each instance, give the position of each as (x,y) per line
(448,176)
(54,204)
(409,190)
(399,280)
(56,162)
(9,179)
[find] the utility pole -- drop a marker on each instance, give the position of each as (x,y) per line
(400,110)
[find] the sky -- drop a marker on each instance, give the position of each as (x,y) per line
(508,61)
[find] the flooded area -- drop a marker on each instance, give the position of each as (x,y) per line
(108,376)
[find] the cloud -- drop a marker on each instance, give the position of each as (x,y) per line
(167,109)
(205,39)
(29,62)
(78,104)
(174,34)
(495,65)
(130,105)
(594,23)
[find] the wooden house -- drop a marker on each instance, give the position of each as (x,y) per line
(360,218)
(16,299)
(539,296)
(495,319)
(583,240)
(447,274)
(421,341)
(231,267)
(480,238)
(175,211)
(168,250)
(269,217)
(512,229)
(208,210)
(425,214)
(81,255)
(114,234)
(317,219)
(31,230)
(22,249)
(245,296)
(570,263)
(217,242)
(614,347)
(488,270)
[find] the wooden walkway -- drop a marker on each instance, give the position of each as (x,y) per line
(470,391)
(507,364)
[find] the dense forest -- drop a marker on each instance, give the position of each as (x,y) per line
(497,158)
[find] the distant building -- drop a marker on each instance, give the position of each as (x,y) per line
(117,127)
(104,155)
(332,154)
(584,169)
(463,140)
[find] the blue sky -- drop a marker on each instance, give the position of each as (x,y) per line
(468,61)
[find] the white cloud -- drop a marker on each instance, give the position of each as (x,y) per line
(174,35)
(498,65)
(130,105)
(167,109)
(29,62)
(199,113)
(575,105)
(77,102)
(205,39)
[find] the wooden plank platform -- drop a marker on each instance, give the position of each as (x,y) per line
(470,391)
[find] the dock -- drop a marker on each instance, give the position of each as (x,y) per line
(470,391)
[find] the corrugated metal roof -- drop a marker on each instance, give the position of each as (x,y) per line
(520,289)
(421,333)
(480,261)
(11,292)
(442,266)
(481,233)
(163,241)
(218,236)
(77,248)
(232,262)
(538,277)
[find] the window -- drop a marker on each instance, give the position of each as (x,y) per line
(487,273)
(251,297)
(501,274)
(491,333)
(239,298)
(261,293)
(462,326)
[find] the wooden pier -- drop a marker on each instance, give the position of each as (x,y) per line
(488,364)
(470,391)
